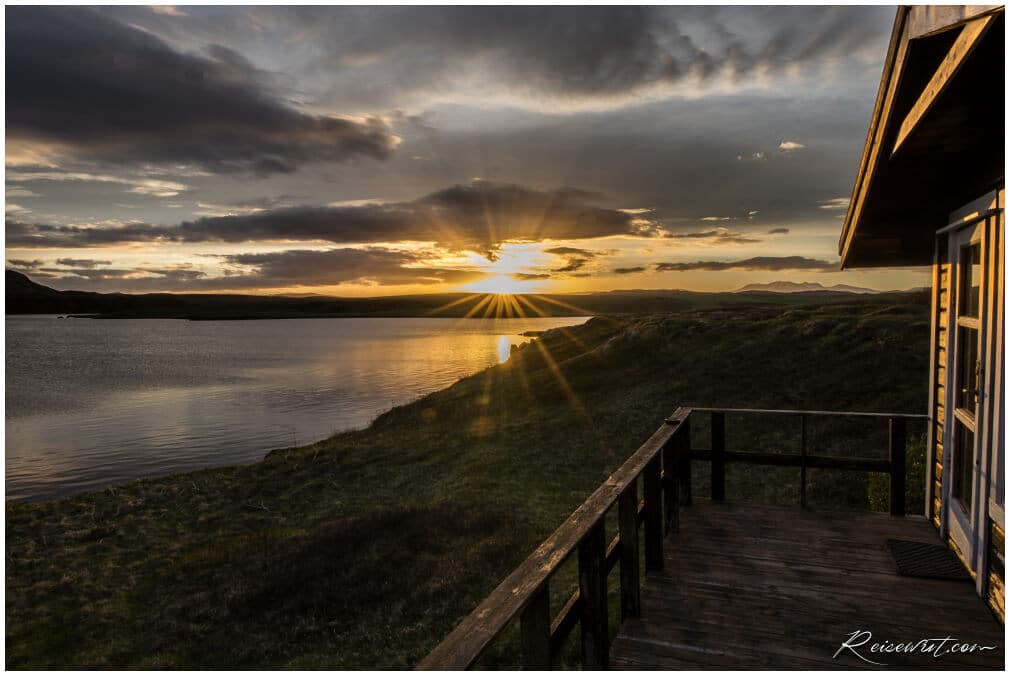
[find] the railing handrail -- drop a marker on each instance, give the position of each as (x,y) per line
(839,414)
(465,644)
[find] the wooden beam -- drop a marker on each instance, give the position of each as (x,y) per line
(969,38)
(927,20)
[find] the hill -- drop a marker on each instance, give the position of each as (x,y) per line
(798,287)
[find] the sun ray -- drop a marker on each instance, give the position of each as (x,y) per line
(454,303)
(564,330)
(477,306)
(567,306)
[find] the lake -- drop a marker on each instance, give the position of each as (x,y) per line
(93,403)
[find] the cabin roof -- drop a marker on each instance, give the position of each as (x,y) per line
(936,137)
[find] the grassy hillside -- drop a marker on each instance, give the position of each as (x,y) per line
(365,549)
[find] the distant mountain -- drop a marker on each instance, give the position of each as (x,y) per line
(798,287)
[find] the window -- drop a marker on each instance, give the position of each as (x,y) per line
(963,487)
(967,371)
(971,282)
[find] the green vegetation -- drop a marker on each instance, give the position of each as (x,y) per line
(365,549)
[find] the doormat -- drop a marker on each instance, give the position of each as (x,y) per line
(921,559)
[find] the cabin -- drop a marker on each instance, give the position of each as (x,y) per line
(671,573)
(930,191)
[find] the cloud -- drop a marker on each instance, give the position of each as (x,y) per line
(718,236)
(563,57)
(836,203)
(379,266)
(779,231)
(573,265)
(757,263)
(138,185)
(91,87)
(167,10)
(292,268)
(21,234)
(81,262)
(628,271)
(479,216)
(573,251)
(24,264)
(13,191)
(790,145)
(529,276)
(575,258)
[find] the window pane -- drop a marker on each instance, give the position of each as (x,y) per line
(967,376)
(971,279)
(964,457)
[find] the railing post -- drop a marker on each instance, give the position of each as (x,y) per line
(718,456)
(627,517)
(593,592)
(682,442)
(535,627)
(671,489)
(803,461)
(653,515)
(896,453)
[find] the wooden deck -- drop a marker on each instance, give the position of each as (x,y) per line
(757,587)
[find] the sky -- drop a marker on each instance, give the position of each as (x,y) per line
(365,151)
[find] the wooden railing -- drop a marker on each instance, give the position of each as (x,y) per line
(664,464)
(893,465)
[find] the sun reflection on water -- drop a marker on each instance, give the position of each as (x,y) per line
(504,349)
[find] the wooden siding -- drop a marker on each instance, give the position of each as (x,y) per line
(938,386)
(757,587)
(996,591)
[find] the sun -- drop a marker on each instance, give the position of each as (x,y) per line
(503,285)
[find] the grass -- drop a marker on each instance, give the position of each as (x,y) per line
(364,550)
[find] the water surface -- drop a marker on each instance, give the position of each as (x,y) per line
(93,403)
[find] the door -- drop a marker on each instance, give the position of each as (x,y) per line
(964,490)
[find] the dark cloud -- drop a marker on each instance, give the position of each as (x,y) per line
(110,92)
(756,263)
(374,266)
(81,262)
(338,266)
(568,54)
(24,264)
(779,231)
(718,236)
(479,216)
(628,271)
(22,234)
(573,251)
(575,258)
(134,279)
(530,276)
(573,265)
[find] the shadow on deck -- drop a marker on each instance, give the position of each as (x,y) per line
(758,587)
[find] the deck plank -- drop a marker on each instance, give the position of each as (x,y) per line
(752,587)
